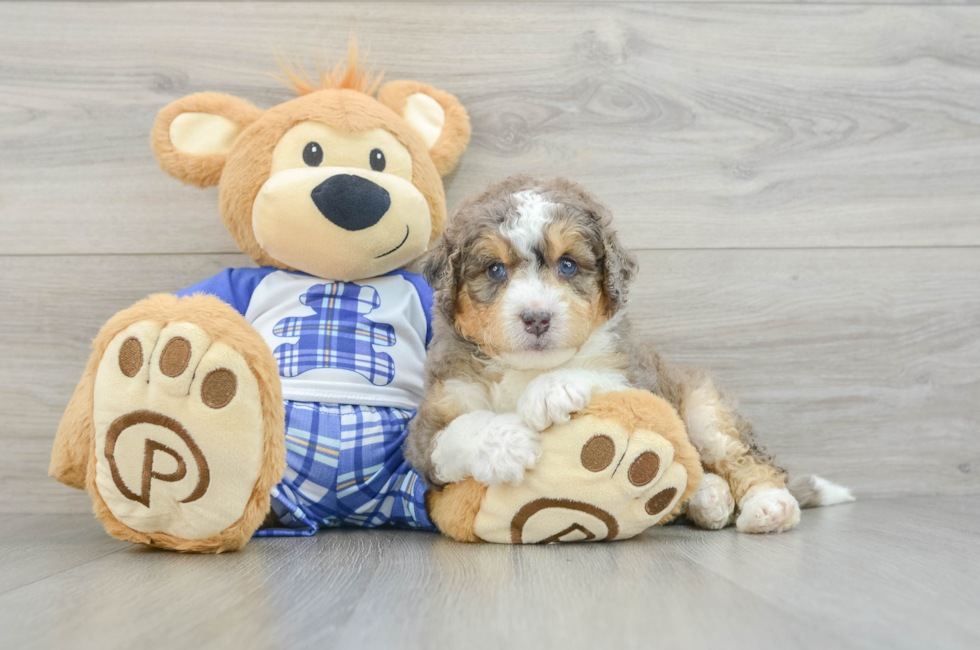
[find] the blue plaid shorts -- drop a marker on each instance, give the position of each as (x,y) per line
(345,468)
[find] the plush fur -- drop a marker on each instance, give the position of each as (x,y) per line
(343,104)
(200,170)
(454,509)
(243,156)
(351,74)
(445,152)
(74,449)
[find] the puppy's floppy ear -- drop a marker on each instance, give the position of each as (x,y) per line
(435,115)
(439,270)
(619,265)
(619,270)
(192,136)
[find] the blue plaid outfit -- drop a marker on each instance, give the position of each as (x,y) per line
(338,335)
(344,461)
(345,467)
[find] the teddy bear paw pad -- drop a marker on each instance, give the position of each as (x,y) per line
(595,481)
(178,424)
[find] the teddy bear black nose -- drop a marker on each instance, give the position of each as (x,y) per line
(351,202)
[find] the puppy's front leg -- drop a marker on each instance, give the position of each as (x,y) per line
(553,397)
(491,448)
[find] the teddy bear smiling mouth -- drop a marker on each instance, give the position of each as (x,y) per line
(405,239)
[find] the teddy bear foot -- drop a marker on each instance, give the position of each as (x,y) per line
(622,465)
(182,454)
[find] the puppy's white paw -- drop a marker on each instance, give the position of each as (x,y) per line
(769,510)
(506,448)
(712,505)
(552,398)
(491,448)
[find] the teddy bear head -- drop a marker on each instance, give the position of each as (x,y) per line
(342,182)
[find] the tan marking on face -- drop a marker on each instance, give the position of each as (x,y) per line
(487,314)
(583,292)
(565,238)
(581,315)
(478,305)
(481,324)
(492,246)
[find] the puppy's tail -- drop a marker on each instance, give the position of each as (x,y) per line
(814,492)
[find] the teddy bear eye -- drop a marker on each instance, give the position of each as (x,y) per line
(313,154)
(378,160)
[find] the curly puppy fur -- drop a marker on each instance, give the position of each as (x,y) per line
(482,358)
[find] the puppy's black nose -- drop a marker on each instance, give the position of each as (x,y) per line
(351,202)
(536,322)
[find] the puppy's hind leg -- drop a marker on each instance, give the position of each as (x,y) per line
(725,440)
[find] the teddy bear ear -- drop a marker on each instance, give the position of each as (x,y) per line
(435,115)
(192,136)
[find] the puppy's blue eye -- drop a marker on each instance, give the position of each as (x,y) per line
(567,266)
(496,271)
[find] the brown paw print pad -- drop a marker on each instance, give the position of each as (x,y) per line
(175,356)
(217,389)
(599,452)
(660,501)
(131,357)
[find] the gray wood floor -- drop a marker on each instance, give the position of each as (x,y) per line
(891,573)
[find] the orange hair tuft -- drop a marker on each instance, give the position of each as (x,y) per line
(351,73)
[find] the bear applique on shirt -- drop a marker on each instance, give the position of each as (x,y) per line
(336,342)
(338,334)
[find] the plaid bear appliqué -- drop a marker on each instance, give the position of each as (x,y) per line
(337,335)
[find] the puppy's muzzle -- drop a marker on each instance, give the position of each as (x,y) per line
(536,322)
(351,202)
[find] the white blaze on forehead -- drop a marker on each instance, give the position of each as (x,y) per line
(525,229)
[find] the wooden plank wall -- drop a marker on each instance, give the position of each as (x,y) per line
(801,183)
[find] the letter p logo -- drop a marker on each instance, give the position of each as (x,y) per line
(150,456)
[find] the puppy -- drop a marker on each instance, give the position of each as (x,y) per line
(530,282)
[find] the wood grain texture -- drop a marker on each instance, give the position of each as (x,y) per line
(874,574)
(714,126)
(859,365)
(68,540)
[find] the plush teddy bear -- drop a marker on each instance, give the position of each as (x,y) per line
(275,400)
